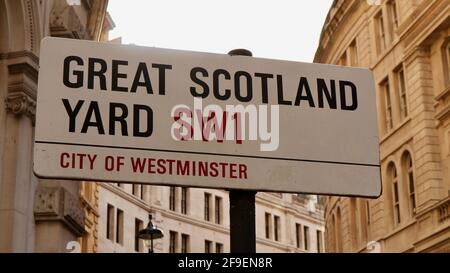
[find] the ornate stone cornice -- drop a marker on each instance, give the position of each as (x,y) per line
(57,204)
(340,9)
(64,22)
(96,19)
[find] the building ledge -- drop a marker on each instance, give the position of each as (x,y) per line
(395,130)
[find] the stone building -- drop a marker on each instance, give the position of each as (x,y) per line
(197,220)
(406,43)
(39,215)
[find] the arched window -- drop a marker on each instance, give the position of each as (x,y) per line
(364,220)
(409,174)
(332,233)
(355,225)
(446,61)
(393,179)
(339,247)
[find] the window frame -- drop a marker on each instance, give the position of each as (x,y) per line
(184,200)
(218,210)
(306,239)
(380,33)
(138,225)
(277,228)
(396,210)
(298,235)
(268,224)
(119,226)
(110,222)
(208,246)
(172,198)
(207,207)
(388,108)
(401,91)
(173,241)
(185,243)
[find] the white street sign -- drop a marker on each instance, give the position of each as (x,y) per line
(120,113)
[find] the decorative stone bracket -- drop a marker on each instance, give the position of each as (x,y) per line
(57,204)
(20,103)
(22,84)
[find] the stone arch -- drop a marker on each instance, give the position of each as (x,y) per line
(21,18)
(4,28)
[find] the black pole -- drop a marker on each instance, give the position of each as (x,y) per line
(242,221)
(151,244)
(242,207)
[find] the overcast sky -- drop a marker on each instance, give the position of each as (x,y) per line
(276,29)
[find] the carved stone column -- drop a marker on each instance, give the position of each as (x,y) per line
(17,182)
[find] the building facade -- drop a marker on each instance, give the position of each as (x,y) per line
(197,220)
(406,43)
(39,215)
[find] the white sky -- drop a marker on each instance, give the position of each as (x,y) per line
(276,29)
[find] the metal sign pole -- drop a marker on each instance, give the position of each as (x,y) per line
(242,222)
(242,207)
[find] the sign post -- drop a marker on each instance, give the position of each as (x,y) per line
(242,207)
(120,113)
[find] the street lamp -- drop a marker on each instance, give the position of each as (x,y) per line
(149,234)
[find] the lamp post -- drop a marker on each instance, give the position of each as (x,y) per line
(149,234)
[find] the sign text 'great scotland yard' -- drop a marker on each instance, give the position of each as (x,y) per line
(167,117)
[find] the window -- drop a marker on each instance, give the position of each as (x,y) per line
(172,198)
(218,210)
(387,104)
(338,232)
(298,235)
(138,225)
(393,15)
(410,182)
(401,88)
(395,193)
(306,237)
(119,227)
(268,223)
(363,220)
(207,207)
(208,246)
(276,228)
(184,200)
(219,248)
(332,231)
(173,241)
(319,241)
(353,54)
(380,33)
(184,243)
(110,222)
(447,62)
(343,60)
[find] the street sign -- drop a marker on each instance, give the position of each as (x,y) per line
(121,113)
